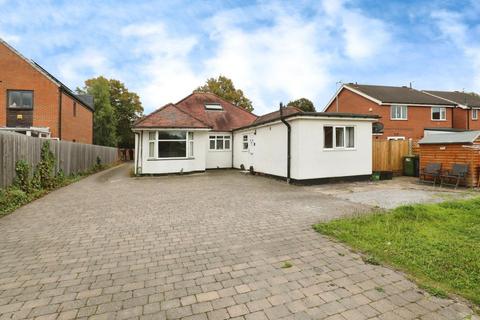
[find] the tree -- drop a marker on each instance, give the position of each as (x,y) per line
(303,104)
(127,109)
(115,111)
(104,124)
(224,88)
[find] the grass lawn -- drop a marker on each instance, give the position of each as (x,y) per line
(437,244)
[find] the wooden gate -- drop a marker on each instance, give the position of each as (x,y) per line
(388,155)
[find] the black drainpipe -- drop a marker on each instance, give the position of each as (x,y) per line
(289,131)
(60,93)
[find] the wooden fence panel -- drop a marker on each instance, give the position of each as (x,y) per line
(388,155)
(71,157)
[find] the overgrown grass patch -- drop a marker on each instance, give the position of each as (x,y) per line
(437,244)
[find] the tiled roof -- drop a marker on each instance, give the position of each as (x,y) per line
(170,116)
(463,98)
(403,95)
(190,112)
(276,115)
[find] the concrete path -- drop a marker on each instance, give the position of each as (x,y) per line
(205,246)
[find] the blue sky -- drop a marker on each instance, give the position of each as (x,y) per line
(273,50)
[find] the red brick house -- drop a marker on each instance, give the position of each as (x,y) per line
(34,102)
(404,112)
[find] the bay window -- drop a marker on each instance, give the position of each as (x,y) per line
(338,137)
(170,144)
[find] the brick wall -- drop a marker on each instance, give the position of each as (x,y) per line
(16,73)
(76,127)
(418,117)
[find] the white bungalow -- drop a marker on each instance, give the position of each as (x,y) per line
(203,131)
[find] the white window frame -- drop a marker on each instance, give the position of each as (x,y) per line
(245,143)
(189,139)
(442,110)
(396,138)
(334,138)
(475,114)
(154,142)
(215,138)
(394,114)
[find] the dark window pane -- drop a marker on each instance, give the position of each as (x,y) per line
(14,99)
(212,144)
(350,137)
(172,149)
(219,143)
(27,99)
(227,144)
(328,137)
(171,135)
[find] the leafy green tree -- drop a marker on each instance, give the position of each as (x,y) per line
(116,109)
(127,109)
(224,88)
(303,104)
(104,120)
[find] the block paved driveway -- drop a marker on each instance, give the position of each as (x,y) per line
(207,246)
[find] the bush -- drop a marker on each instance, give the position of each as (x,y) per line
(12,198)
(22,178)
(46,166)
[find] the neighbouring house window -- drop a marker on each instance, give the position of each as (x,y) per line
(474,114)
(439,113)
(398,112)
(190,144)
(20,99)
(74,109)
(338,137)
(172,144)
(152,137)
(245,142)
(219,142)
(396,138)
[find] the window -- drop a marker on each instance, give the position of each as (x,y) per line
(474,114)
(350,137)
(20,99)
(190,144)
(213,106)
(339,137)
(398,112)
(328,137)
(172,144)
(396,138)
(219,142)
(152,137)
(439,113)
(245,142)
(74,109)
(344,137)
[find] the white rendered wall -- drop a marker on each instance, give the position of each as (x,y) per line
(218,158)
(311,161)
(160,166)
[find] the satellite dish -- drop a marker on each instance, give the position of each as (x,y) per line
(377,127)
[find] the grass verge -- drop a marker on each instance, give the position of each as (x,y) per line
(437,244)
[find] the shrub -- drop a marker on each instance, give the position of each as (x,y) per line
(22,178)
(12,198)
(46,166)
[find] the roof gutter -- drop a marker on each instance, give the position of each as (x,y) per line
(289,134)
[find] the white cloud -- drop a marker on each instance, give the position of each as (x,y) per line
(164,72)
(453,28)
